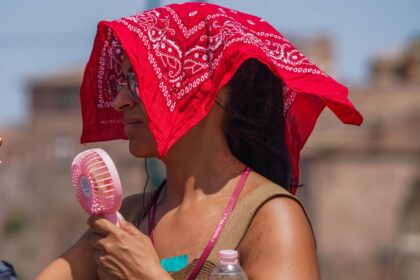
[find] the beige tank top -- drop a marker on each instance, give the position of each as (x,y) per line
(234,230)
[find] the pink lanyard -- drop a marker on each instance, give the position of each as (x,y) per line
(216,233)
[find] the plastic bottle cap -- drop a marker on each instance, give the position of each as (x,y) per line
(228,257)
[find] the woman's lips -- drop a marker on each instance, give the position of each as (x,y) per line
(130,127)
(132,122)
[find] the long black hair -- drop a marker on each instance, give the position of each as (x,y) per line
(253,125)
(254,122)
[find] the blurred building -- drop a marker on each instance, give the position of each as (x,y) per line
(397,66)
(362,185)
(36,160)
(320,49)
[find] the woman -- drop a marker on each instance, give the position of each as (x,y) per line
(227,103)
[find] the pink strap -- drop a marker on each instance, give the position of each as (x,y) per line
(215,236)
(216,233)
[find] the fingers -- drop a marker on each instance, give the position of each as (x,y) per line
(102,247)
(99,257)
(133,230)
(101,225)
(129,227)
(96,241)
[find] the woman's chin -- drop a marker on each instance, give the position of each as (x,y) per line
(140,150)
(134,148)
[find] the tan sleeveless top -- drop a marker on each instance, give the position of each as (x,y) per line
(234,230)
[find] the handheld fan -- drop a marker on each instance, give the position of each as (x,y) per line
(97,184)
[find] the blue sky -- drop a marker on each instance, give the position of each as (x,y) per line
(44,36)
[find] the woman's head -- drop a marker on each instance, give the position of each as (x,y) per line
(182,55)
(249,111)
(127,101)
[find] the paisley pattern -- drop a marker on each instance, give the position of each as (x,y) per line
(159,30)
(181,55)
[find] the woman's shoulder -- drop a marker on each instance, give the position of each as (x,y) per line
(280,224)
(265,197)
(133,205)
(260,185)
(272,203)
(272,200)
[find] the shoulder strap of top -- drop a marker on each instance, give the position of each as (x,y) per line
(242,215)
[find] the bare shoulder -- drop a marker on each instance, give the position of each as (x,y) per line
(279,242)
(133,205)
(131,202)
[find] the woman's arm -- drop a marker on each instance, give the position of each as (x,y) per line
(76,263)
(279,243)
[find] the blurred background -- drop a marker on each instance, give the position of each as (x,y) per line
(362,185)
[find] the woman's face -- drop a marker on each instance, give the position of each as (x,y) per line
(141,141)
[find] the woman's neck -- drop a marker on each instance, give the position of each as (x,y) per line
(199,166)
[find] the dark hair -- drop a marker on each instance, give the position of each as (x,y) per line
(253,125)
(254,122)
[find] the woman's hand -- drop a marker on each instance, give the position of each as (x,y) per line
(123,252)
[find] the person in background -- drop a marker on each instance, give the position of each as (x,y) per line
(227,103)
(7,272)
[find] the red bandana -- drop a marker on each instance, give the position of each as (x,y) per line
(182,55)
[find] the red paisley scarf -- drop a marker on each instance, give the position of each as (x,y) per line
(182,55)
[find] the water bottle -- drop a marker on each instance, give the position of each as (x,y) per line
(228,267)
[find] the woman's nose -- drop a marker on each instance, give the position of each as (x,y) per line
(123,100)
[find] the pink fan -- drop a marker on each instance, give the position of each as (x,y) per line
(97,184)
